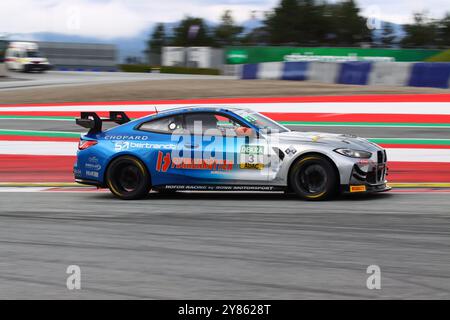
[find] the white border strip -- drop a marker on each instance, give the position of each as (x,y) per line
(39,148)
(439,108)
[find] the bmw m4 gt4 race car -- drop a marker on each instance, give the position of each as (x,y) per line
(223,149)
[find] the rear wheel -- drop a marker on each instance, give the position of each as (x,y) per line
(314,178)
(128,179)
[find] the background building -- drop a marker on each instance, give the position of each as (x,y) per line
(193,57)
(80,56)
(3,45)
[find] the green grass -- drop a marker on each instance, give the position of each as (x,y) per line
(444,56)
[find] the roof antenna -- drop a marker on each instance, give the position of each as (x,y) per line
(156,110)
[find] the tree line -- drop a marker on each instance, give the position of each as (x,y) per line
(304,23)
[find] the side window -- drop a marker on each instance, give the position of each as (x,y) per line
(210,120)
(163,125)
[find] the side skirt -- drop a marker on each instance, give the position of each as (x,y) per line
(89,182)
(205,187)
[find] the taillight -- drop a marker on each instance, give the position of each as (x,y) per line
(84,144)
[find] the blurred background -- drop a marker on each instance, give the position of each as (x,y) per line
(212,36)
(377,69)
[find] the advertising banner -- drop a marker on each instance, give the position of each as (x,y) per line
(241,55)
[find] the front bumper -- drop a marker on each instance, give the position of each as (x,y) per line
(368,175)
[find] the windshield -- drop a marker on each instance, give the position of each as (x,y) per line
(33,54)
(261,122)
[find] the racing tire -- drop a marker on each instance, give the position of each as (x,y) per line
(313,178)
(128,179)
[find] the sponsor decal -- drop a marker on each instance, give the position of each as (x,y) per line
(357,188)
(251,157)
(76,171)
(125,137)
(255,166)
(92,173)
(366,162)
(290,151)
(93,166)
(165,161)
(222,188)
(93,159)
(252,149)
(125,145)
(120,146)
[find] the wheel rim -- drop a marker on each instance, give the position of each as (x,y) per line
(313,179)
(128,177)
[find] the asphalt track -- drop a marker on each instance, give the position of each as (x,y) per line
(224,246)
(23,81)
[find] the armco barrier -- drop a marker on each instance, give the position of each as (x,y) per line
(250,71)
(390,74)
(432,74)
(295,71)
(270,70)
(326,72)
(356,73)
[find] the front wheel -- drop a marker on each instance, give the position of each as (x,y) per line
(313,178)
(128,179)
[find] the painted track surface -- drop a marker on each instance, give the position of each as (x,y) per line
(413,129)
(228,246)
(69,125)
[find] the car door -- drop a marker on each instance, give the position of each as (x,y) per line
(161,141)
(221,154)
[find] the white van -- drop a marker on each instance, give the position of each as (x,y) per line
(3,46)
(25,57)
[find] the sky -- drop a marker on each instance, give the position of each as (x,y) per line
(106,19)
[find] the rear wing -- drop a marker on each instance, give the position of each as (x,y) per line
(93,122)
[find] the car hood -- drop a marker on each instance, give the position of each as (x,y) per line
(327,139)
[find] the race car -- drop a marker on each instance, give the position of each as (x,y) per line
(222,149)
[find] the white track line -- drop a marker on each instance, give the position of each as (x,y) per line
(39,148)
(418,155)
(298,107)
(23,189)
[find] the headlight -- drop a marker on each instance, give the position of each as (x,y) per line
(354,153)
